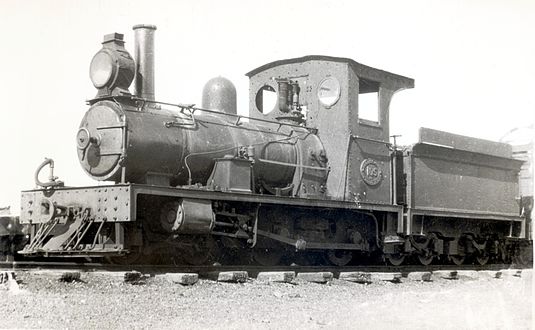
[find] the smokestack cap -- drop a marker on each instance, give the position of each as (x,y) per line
(113,37)
(144,26)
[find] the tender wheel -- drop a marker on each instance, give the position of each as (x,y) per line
(457,260)
(339,257)
(267,257)
(395,259)
(425,260)
(482,259)
(425,246)
(523,255)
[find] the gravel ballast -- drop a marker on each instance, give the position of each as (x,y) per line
(98,301)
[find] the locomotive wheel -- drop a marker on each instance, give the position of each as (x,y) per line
(199,250)
(267,256)
(482,259)
(195,256)
(520,260)
(425,260)
(457,260)
(128,259)
(523,254)
(339,257)
(308,258)
(395,259)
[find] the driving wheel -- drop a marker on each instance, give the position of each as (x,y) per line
(339,257)
(267,256)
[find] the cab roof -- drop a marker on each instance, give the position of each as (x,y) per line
(360,69)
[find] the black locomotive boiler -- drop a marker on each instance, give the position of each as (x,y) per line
(309,172)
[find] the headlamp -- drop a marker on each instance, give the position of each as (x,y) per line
(112,68)
(101,69)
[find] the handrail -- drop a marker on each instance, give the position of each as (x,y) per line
(389,145)
(192,108)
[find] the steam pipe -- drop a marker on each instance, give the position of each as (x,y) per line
(144,57)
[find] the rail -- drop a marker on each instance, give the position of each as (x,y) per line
(253,270)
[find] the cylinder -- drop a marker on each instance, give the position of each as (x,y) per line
(144,57)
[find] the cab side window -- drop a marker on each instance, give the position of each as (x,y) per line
(368,100)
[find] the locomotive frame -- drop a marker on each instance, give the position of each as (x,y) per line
(308,173)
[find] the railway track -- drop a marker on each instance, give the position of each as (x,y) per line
(252,270)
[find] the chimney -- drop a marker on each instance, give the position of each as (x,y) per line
(144,57)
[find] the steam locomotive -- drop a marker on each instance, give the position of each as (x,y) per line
(310,173)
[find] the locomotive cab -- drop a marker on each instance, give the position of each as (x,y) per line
(348,103)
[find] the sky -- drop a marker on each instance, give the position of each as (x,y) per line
(473,63)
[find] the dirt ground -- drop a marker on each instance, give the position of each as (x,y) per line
(103,302)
